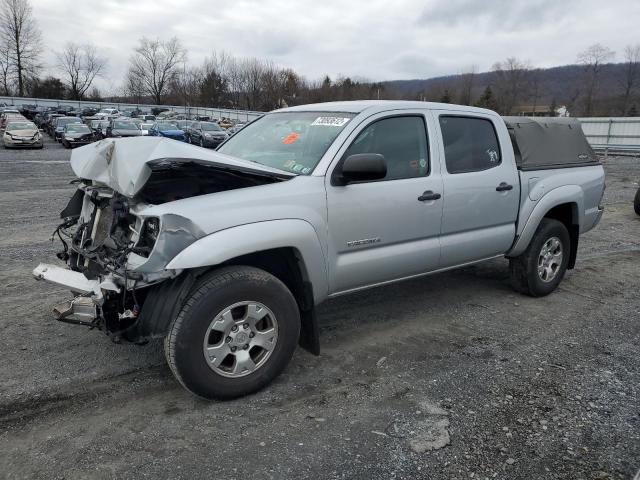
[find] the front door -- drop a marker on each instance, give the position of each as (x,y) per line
(387,229)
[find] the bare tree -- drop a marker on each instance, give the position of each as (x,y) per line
(155,64)
(5,69)
(534,80)
(593,58)
(466,82)
(20,33)
(631,74)
(510,79)
(80,65)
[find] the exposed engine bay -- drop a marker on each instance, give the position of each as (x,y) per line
(116,253)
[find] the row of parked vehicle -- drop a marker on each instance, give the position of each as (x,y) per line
(18,131)
(72,128)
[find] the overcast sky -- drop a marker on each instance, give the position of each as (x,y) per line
(375,39)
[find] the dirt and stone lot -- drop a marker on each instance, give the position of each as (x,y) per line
(449,376)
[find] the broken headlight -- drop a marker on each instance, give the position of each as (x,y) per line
(148,236)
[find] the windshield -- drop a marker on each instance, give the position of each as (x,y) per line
(164,127)
(290,141)
(125,126)
(77,128)
(210,127)
(12,127)
(64,121)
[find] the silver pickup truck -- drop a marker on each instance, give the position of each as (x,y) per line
(226,253)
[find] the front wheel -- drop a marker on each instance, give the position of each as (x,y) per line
(236,332)
(636,202)
(541,267)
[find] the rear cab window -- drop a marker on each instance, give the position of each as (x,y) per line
(470,144)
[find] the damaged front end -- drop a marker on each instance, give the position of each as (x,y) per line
(115,250)
(114,253)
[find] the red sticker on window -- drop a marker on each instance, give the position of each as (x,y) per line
(292,138)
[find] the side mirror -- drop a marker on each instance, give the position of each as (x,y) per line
(362,167)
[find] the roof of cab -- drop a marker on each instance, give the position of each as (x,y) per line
(375,106)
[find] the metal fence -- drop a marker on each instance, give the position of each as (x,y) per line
(239,115)
(604,133)
(613,133)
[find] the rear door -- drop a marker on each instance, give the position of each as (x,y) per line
(481,188)
(380,231)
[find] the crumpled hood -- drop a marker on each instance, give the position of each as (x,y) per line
(122,163)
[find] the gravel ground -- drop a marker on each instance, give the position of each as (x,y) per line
(450,376)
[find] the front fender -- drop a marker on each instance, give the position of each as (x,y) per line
(558,196)
(233,242)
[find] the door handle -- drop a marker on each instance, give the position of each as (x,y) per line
(429,195)
(503,187)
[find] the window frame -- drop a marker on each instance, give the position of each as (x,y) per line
(472,117)
(353,136)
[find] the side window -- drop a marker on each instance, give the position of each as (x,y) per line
(470,144)
(401,140)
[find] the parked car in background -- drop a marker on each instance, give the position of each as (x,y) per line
(168,130)
(28,110)
(76,134)
(145,127)
(147,118)
(22,134)
(207,134)
(38,118)
(59,124)
(48,123)
(120,127)
(65,109)
(158,110)
(225,123)
(8,114)
(108,113)
(183,124)
(235,129)
(99,128)
(88,112)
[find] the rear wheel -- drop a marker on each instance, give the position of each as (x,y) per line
(541,267)
(235,333)
(636,202)
(202,143)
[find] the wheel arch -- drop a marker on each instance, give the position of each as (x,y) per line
(565,204)
(292,254)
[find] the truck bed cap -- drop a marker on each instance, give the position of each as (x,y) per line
(544,142)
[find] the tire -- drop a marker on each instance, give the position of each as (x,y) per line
(524,269)
(636,202)
(192,331)
(202,143)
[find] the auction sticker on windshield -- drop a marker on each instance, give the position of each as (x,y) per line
(330,121)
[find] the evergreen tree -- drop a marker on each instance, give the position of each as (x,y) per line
(487,100)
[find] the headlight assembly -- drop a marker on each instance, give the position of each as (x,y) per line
(148,236)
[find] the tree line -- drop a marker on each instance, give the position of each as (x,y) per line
(159,73)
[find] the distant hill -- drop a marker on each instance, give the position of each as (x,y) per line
(563,85)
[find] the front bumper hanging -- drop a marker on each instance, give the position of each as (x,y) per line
(84,308)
